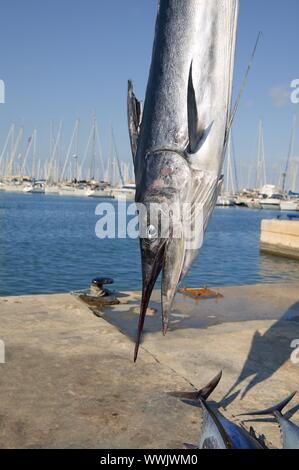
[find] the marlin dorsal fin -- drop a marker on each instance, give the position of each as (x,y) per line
(134,117)
(202,394)
(274,409)
(196,129)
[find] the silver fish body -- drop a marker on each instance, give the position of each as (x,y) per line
(289,431)
(218,432)
(239,436)
(179,142)
(213,434)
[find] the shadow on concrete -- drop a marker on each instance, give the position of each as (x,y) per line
(185,315)
(269,351)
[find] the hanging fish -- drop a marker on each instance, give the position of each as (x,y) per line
(179,139)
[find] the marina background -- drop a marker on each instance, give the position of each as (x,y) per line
(79,65)
(48,244)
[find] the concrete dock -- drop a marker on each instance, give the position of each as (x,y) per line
(69,380)
(280,238)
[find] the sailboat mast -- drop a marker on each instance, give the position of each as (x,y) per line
(9,138)
(50,173)
(93,152)
(117,157)
(74,138)
(33,170)
(261,165)
(15,147)
(290,153)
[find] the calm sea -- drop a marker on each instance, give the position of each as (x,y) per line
(48,244)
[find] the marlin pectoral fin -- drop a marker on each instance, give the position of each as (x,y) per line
(172,268)
(197,132)
(134,117)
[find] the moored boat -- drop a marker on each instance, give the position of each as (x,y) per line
(51,189)
(271,197)
(225,201)
(33,188)
(99,193)
(290,205)
(126,192)
(73,191)
(271,203)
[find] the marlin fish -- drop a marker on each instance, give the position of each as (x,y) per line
(179,140)
(289,431)
(217,432)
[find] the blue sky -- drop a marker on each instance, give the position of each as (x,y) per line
(64,59)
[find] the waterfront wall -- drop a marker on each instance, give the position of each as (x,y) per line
(280,238)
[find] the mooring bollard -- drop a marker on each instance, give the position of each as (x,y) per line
(97,288)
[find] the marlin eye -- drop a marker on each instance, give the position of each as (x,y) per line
(151,232)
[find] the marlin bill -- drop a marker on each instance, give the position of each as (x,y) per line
(179,139)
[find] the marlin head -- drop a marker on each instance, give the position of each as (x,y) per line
(160,200)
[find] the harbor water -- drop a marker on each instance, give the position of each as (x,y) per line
(48,244)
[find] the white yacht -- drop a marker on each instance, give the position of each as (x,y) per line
(290,205)
(100,193)
(271,197)
(272,203)
(73,191)
(247,198)
(99,190)
(14,187)
(126,192)
(34,188)
(52,189)
(225,201)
